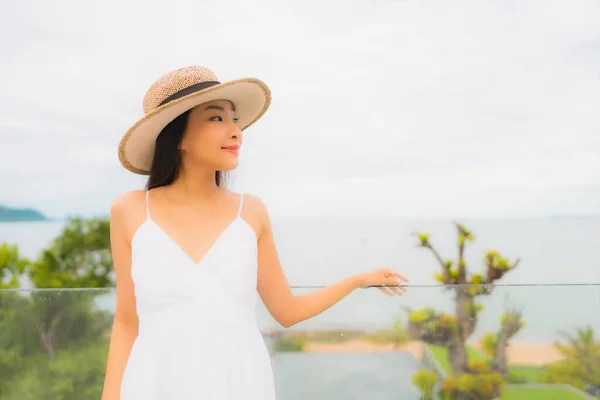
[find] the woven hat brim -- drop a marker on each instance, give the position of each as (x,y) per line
(250,96)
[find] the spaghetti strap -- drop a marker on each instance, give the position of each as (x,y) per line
(147,206)
(241,204)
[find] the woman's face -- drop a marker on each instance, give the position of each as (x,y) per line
(212,137)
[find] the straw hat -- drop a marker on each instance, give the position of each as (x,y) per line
(175,93)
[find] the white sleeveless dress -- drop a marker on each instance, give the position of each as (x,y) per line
(198,335)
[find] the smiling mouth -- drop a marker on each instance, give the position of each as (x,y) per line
(231,149)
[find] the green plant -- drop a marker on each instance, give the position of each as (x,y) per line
(453,331)
(12,266)
(53,343)
(515,378)
(480,386)
(425,380)
(290,345)
(580,365)
(488,343)
(397,334)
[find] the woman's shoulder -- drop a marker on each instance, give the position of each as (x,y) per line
(128,212)
(255,212)
(126,202)
(254,203)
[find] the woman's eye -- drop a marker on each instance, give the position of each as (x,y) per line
(220,119)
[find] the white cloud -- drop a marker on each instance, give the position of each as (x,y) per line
(399,107)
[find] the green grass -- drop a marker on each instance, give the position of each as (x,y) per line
(539,394)
(529,374)
(441,355)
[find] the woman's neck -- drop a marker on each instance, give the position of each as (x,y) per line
(196,185)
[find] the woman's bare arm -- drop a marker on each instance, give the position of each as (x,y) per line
(125,325)
(289,309)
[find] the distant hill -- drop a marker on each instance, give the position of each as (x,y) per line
(20,215)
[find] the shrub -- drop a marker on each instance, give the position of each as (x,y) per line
(514,378)
(425,380)
(484,386)
(479,366)
(290,345)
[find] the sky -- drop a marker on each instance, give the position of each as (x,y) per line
(381,108)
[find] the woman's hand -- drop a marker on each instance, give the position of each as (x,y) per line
(388,281)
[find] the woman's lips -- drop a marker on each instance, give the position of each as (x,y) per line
(232,149)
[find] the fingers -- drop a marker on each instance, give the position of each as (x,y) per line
(390,282)
(401,277)
(393,281)
(392,291)
(398,290)
(390,272)
(392,286)
(386,291)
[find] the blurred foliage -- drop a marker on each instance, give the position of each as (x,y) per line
(396,335)
(79,257)
(477,386)
(580,366)
(488,343)
(12,266)
(480,386)
(471,378)
(290,344)
(425,380)
(53,343)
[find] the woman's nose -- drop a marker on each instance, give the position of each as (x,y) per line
(236,132)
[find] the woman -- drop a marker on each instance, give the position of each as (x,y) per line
(190,256)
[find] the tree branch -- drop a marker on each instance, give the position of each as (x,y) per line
(512,322)
(463,235)
(496,267)
(424,242)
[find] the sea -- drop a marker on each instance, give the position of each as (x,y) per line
(556,286)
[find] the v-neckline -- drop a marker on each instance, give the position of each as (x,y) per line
(179,247)
(208,251)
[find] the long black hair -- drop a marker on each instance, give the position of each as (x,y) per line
(166,161)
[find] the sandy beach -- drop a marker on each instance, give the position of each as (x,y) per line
(362,346)
(530,354)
